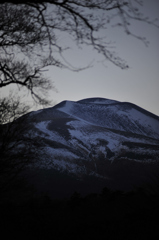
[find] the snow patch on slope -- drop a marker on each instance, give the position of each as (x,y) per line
(123,117)
(51,135)
(144,120)
(81,132)
(57,159)
(67,107)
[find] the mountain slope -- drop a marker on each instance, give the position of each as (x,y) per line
(115,142)
(74,133)
(114,115)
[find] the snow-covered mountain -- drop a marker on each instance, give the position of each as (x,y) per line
(110,140)
(96,127)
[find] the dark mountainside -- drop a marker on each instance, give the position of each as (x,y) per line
(91,171)
(86,145)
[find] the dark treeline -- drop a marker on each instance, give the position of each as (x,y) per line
(108,215)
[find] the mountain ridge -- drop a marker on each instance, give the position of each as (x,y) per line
(116,143)
(113,110)
(80,127)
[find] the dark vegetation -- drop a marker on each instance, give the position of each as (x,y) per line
(107,215)
(88,210)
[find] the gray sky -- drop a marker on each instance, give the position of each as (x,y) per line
(139,84)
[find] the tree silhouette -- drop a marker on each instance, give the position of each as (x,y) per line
(30,33)
(18,149)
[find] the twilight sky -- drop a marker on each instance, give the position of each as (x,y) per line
(139,84)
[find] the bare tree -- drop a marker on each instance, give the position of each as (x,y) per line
(30,32)
(21,38)
(11,108)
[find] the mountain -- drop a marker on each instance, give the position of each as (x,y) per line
(93,143)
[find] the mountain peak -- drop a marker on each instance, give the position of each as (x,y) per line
(98,101)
